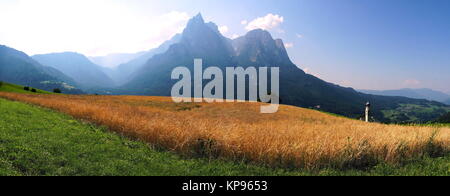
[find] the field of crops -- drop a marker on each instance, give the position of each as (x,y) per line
(293,137)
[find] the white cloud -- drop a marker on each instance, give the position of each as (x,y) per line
(267,22)
(244,22)
(89,27)
(299,35)
(223,29)
(289,45)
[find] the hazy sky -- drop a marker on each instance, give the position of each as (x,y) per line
(364,44)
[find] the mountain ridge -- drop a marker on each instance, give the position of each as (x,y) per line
(124,71)
(420,93)
(19,68)
(78,67)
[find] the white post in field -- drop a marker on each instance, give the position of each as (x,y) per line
(367,111)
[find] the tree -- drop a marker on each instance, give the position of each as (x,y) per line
(444,119)
(33,90)
(57,90)
(26,88)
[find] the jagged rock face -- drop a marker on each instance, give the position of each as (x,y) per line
(258,48)
(203,40)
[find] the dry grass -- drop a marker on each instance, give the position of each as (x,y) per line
(293,137)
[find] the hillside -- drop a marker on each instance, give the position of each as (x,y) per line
(18,68)
(14,88)
(293,137)
(61,145)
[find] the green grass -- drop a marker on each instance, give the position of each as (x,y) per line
(7,87)
(37,141)
(414,113)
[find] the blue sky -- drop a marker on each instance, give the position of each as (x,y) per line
(364,44)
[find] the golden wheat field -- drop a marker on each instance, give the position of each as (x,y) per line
(293,137)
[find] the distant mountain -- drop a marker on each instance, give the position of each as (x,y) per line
(198,40)
(114,60)
(17,67)
(124,72)
(447,101)
(258,48)
(78,67)
(423,93)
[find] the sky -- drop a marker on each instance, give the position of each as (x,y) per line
(363,44)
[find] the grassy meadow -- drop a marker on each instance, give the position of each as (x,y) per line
(293,139)
(7,87)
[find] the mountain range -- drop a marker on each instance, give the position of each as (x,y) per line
(258,48)
(17,67)
(150,74)
(422,93)
(77,66)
